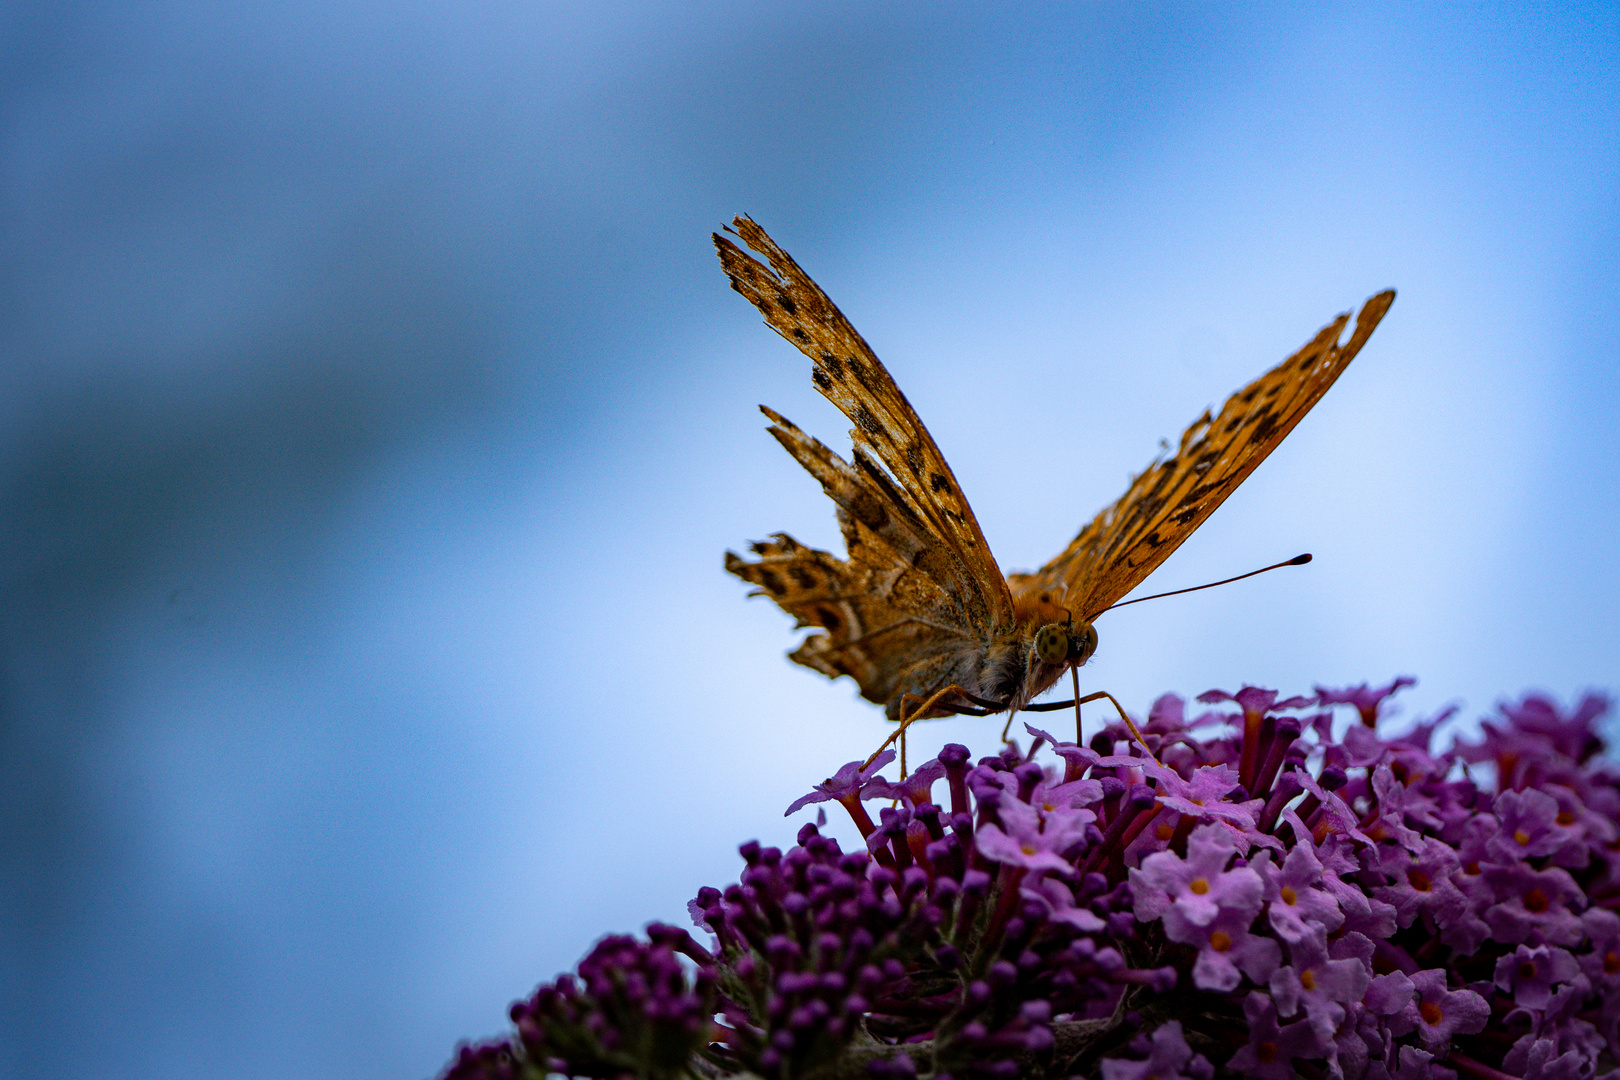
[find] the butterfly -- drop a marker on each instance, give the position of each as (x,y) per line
(918,610)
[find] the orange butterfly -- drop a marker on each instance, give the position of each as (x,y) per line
(920,609)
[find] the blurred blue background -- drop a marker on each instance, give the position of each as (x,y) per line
(375,415)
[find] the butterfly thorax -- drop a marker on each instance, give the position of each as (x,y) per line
(1048,641)
(1013,667)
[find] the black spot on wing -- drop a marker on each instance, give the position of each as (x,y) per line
(769,579)
(821,378)
(787,304)
(914,460)
(866,421)
(938,483)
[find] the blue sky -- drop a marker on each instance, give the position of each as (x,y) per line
(375,416)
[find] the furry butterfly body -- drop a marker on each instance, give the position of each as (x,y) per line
(919,604)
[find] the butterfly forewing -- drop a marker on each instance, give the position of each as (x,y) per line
(850,375)
(1128,540)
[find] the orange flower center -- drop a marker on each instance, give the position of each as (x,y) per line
(1527,970)
(1307,979)
(1430,1012)
(1565,817)
(1420,881)
(1535,900)
(1220,941)
(1611,962)
(1164,832)
(1288,896)
(1522,837)
(1266,1053)
(1199,885)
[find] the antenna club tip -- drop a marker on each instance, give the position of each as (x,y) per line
(1300,560)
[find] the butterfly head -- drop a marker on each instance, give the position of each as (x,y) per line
(1065,643)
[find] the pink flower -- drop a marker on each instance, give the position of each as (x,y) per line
(1034,839)
(1438,1014)
(1295,901)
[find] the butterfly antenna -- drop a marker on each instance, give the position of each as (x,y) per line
(1297,560)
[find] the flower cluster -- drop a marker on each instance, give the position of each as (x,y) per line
(1238,894)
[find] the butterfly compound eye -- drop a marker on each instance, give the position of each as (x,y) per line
(1052,643)
(1087,643)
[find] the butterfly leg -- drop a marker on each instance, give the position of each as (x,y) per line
(1005,728)
(1074,675)
(917,714)
(1129,723)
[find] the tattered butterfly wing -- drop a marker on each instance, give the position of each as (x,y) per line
(1128,540)
(913,476)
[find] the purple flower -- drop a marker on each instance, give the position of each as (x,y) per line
(1532,903)
(1413,1065)
(1076,758)
(1422,883)
(1540,742)
(847,785)
(1335,815)
(1589,825)
(1254,699)
(1033,839)
(1394,806)
(1055,899)
(1227,950)
(1270,1052)
(1170,1058)
(1204,797)
(1569,736)
(1188,893)
(915,789)
(1295,901)
(1555,1054)
(1388,995)
(1439,1014)
(1528,974)
(1602,964)
(1322,987)
(1362,913)
(1367,702)
(1529,827)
